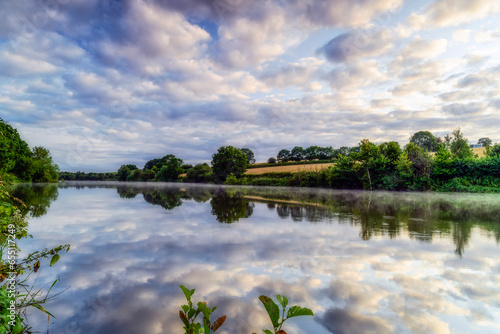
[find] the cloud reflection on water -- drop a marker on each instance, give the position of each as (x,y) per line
(357,270)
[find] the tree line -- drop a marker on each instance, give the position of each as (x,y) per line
(20,163)
(426,162)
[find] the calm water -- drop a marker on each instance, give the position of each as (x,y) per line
(364,263)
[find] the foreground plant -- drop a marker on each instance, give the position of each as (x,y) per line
(188,316)
(274,312)
(17,293)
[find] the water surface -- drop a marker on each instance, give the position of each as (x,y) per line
(363,262)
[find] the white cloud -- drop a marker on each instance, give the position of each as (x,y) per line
(462,35)
(449,13)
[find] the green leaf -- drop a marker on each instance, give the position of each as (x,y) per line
(185,308)
(296,311)
(272,309)
(54,259)
(188,293)
(282,300)
(267,331)
(191,313)
(205,310)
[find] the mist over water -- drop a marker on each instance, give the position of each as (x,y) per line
(384,261)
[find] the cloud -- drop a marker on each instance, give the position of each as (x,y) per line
(487,36)
(449,13)
(357,44)
(355,75)
(469,109)
(296,73)
(419,49)
(462,35)
(347,321)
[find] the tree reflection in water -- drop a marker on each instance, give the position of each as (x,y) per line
(422,216)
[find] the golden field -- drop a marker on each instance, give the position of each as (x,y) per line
(316,167)
(291,168)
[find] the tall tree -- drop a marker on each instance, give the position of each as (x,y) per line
(12,150)
(297,153)
(171,169)
(425,140)
(459,145)
(124,171)
(283,155)
(486,142)
(249,154)
(44,169)
(228,160)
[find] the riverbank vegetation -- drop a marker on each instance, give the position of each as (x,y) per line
(20,163)
(426,163)
(18,292)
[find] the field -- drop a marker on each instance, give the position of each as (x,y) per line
(315,167)
(479,151)
(292,168)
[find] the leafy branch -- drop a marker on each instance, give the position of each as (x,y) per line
(274,312)
(188,316)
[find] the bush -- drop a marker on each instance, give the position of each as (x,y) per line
(201,173)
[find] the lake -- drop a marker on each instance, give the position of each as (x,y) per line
(381,262)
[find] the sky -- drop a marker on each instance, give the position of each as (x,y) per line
(106,83)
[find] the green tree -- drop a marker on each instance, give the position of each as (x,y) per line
(283,155)
(14,152)
(486,142)
(153,163)
(312,152)
(271,160)
(201,173)
(459,146)
(326,153)
(228,160)
(44,169)
(124,171)
(392,151)
(250,155)
(170,170)
(297,153)
(421,162)
(425,140)
(495,150)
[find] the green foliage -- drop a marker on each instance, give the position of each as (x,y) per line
(82,176)
(134,175)
(421,162)
(124,171)
(485,141)
(271,160)
(171,169)
(284,155)
(28,165)
(297,153)
(494,151)
(424,140)
(392,151)
(12,148)
(343,175)
(188,315)
(201,173)
(12,228)
(228,160)
(273,311)
(459,146)
(229,207)
(249,154)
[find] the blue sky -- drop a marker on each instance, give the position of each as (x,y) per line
(103,83)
